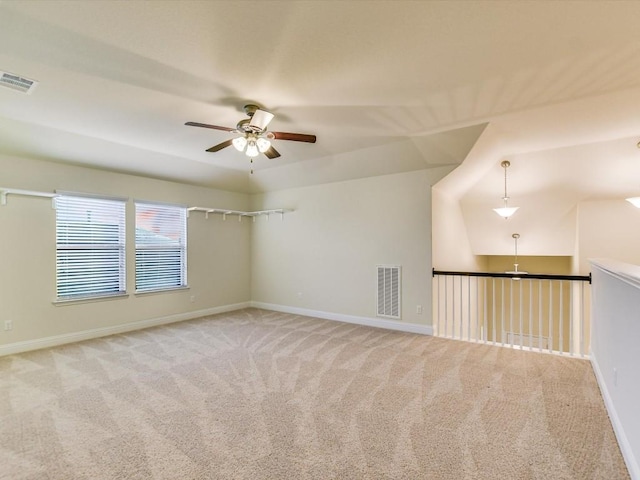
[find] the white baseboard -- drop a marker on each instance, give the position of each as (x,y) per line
(46,342)
(368,321)
(53,341)
(627,452)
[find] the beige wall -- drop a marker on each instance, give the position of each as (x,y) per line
(323,256)
(218,254)
(608,229)
(451,248)
(531,264)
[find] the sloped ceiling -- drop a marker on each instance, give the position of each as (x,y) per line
(386,87)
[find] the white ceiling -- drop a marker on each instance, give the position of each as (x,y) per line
(387,86)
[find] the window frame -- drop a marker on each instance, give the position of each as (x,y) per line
(88,252)
(163,224)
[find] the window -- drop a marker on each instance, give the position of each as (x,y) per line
(90,247)
(161,247)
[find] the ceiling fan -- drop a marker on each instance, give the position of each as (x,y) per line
(254,137)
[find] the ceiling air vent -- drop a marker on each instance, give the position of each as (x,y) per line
(15,82)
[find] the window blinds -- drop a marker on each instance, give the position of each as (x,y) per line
(161,247)
(90,247)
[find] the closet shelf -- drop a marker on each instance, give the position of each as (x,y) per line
(239,213)
(4,192)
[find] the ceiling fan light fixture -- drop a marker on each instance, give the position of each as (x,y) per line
(263,144)
(239,143)
(254,138)
(635,201)
(252,149)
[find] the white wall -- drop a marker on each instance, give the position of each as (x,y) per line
(323,256)
(615,354)
(608,229)
(218,254)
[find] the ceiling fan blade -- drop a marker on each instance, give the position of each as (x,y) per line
(272,153)
(261,119)
(296,137)
(205,125)
(220,146)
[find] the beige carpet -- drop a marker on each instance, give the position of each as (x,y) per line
(264,395)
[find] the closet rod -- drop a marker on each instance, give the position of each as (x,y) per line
(239,213)
(4,192)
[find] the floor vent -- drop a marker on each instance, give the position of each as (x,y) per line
(516,339)
(389,280)
(17,83)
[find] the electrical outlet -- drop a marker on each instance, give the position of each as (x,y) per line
(300,295)
(615,377)
(192,298)
(419,309)
(8,325)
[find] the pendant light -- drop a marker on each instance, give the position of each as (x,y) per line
(515,271)
(635,201)
(506,211)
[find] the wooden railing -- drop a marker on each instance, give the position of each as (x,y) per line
(538,312)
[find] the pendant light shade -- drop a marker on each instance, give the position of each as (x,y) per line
(635,201)
(252,144)
(263,144)
(505,211)
(239,143)
(252,149)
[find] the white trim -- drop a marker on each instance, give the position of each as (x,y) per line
(625,447)
(95,196)
(368,321)
(61,302)
(46,342)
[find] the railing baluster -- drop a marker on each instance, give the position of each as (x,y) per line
(502,319)
(540,316)
(571,318)
(453,307)
(561,325)
(530,314)
(550,340)
(520,300)
(485,320)
(477,309)
(469,309)
(511,310)
(582,320)
(437,303)
(461,312)
(494,310)
(446,306)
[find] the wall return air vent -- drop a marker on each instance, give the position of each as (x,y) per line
(389,283)
(17,83)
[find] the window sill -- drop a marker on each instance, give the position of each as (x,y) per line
(76,301)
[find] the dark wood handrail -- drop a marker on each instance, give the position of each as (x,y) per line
(537,276)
